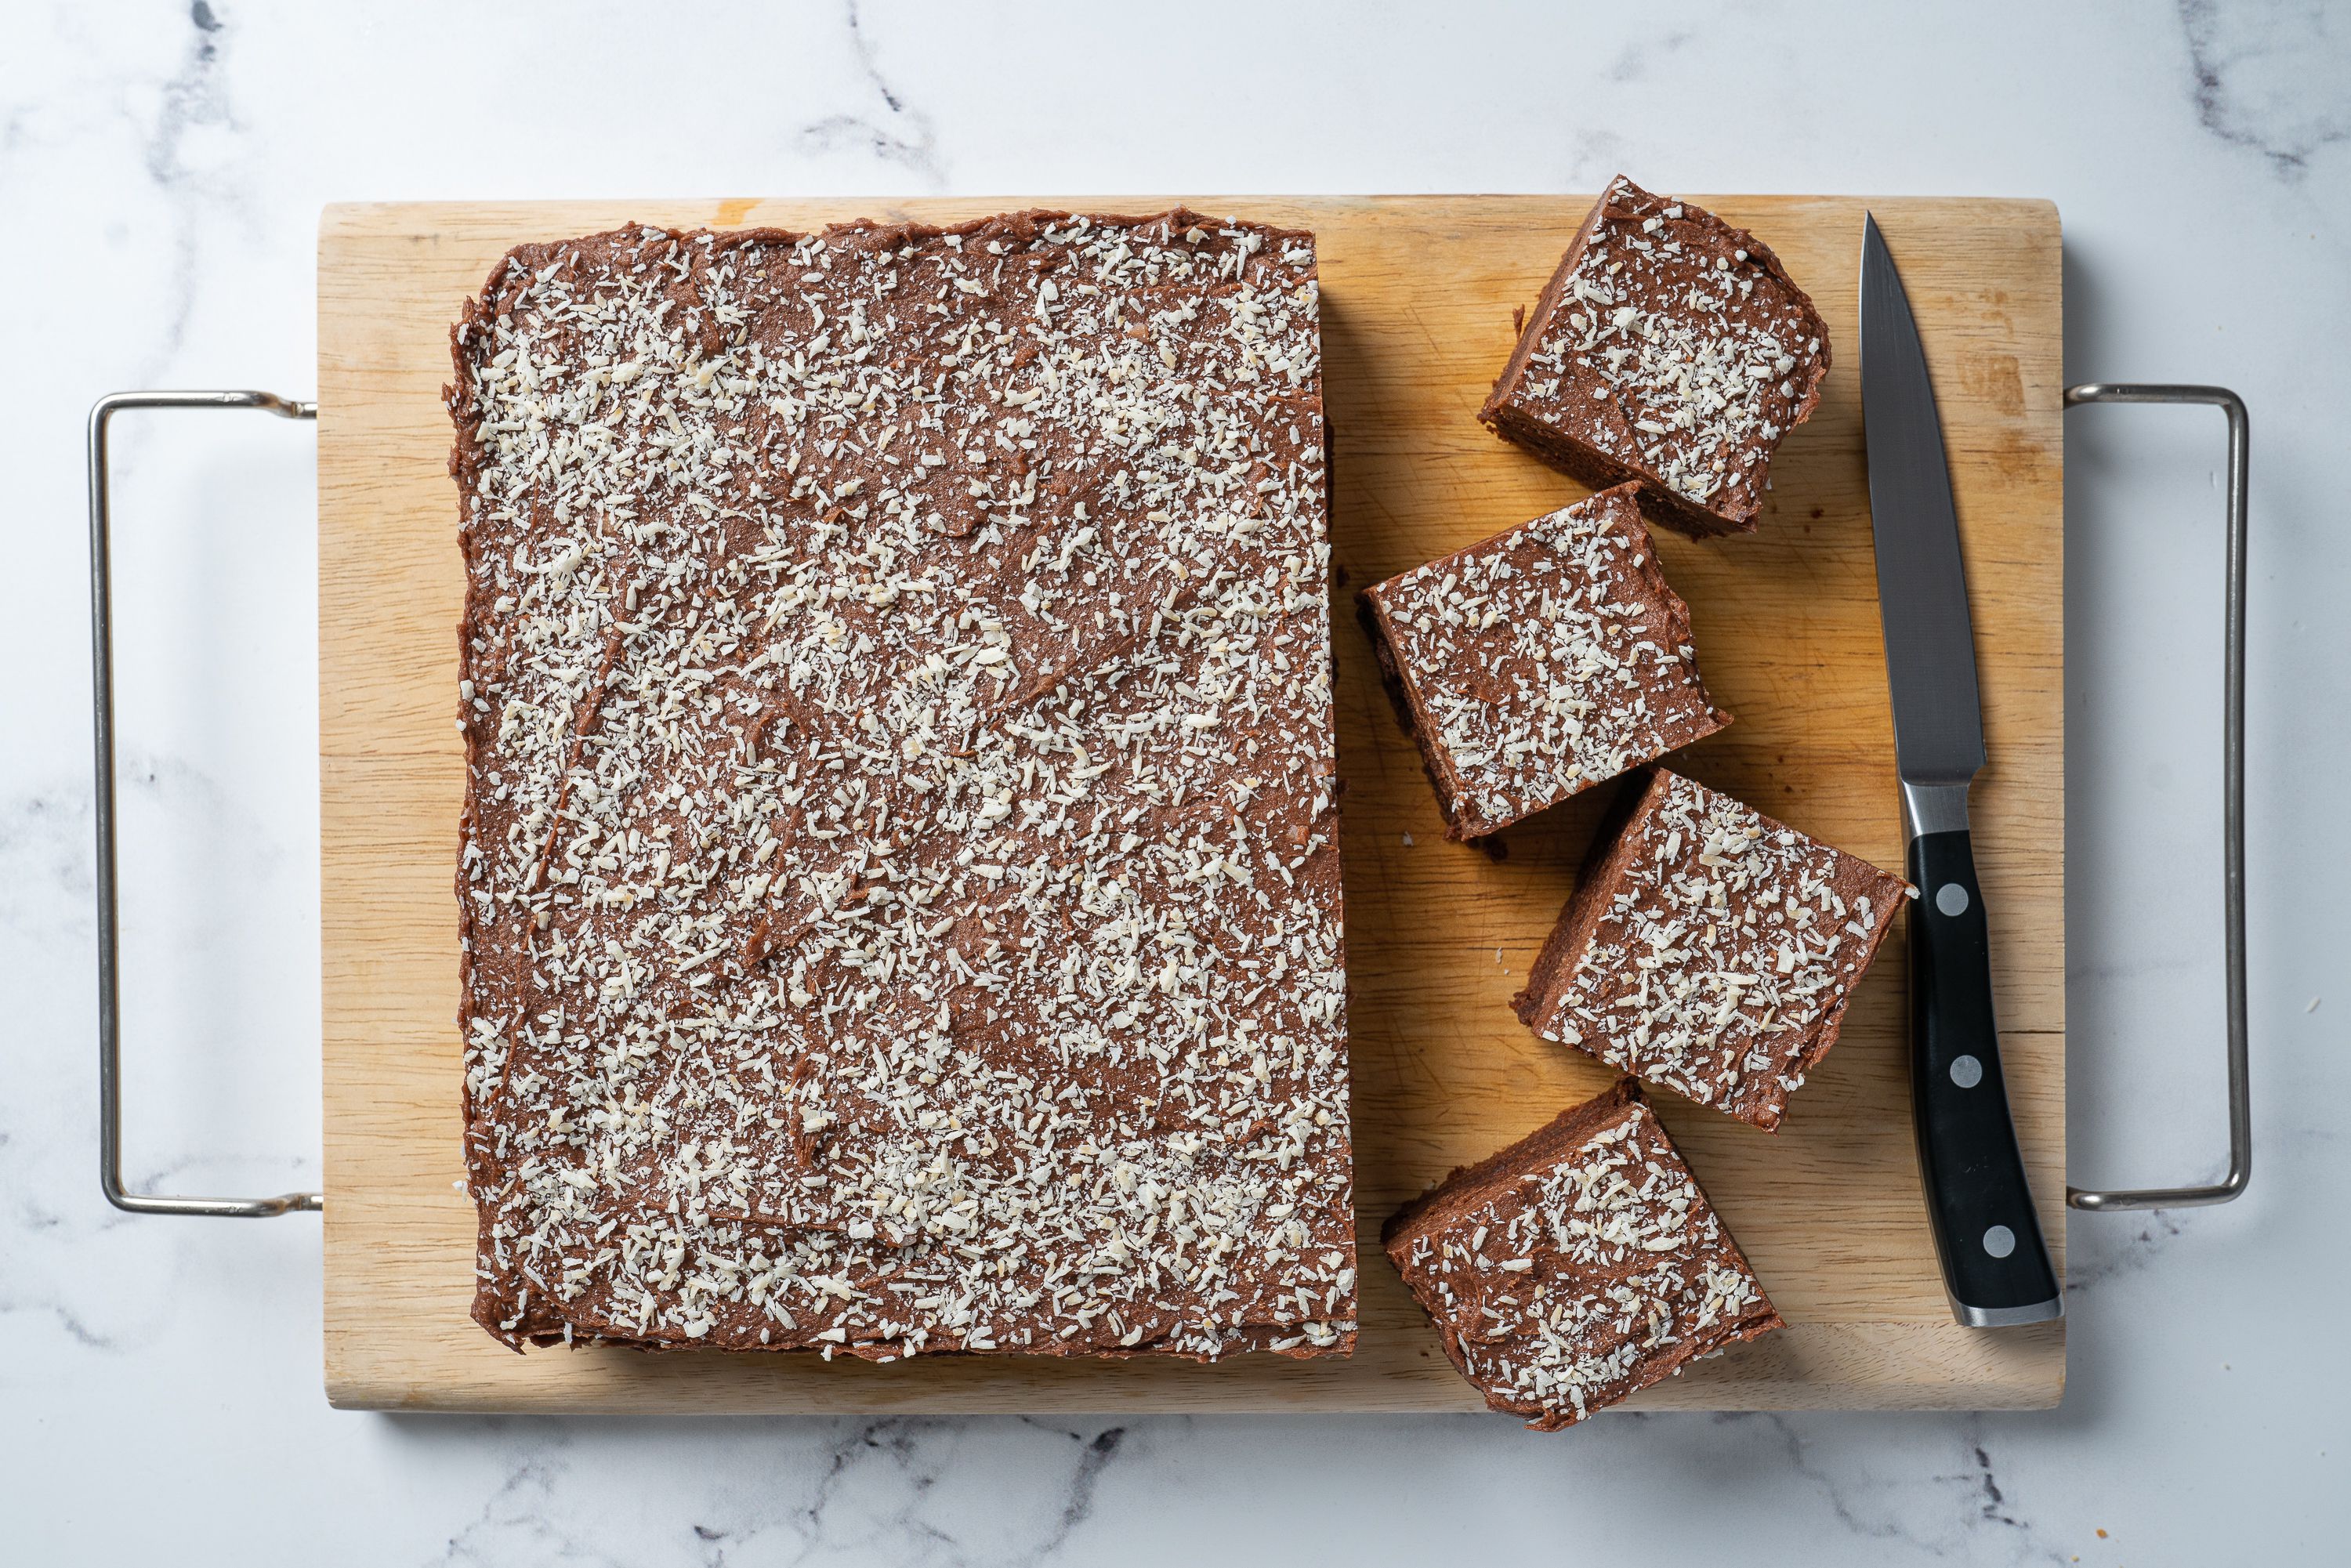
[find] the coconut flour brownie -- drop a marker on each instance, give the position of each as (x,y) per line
(1668,348)
(1710,949)
(1578,1265)
(899,877)
(1545,660)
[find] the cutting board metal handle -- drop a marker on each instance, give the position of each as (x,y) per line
(109,1007)
(2232,810)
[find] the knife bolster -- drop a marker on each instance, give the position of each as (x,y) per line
(1940,806)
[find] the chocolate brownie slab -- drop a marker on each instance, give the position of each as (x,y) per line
(899,887)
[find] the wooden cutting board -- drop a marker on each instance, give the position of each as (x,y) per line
(1419,295)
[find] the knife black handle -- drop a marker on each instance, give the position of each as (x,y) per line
(1995,1265)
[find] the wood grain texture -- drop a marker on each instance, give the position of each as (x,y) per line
(1418,299)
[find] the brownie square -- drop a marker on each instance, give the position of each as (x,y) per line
(1545,660)
(1577,1266)
(1668,348)
(1710,949)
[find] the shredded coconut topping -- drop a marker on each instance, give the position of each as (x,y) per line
(899,879)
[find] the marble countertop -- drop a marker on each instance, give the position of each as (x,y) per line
(162,1401)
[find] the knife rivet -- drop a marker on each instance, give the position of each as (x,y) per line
(2000,1242)
(1966,1072)
(1951,898)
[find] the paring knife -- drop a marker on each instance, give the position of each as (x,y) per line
(1995,1266)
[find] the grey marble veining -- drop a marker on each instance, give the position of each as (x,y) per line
(165,163)
(899,135)
(2269,78)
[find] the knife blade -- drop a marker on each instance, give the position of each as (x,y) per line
(1996,1268)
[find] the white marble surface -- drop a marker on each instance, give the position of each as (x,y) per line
(159,1397)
